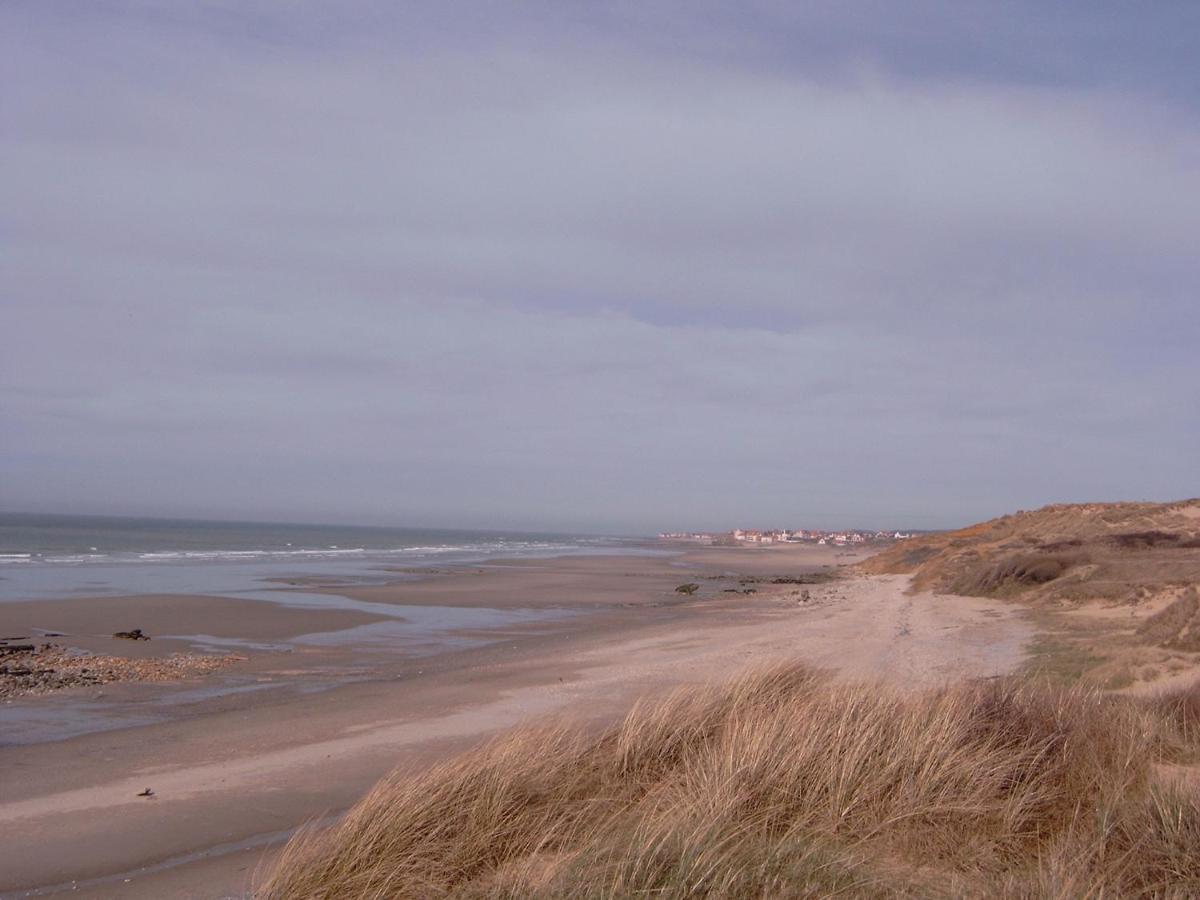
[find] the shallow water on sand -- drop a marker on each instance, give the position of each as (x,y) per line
(45,558)
(408,631)
(411,630)
(56,717)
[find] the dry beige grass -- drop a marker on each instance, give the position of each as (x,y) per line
(783,784)
(1081,551)
(1108,568)
(1177,626)
(1013,574)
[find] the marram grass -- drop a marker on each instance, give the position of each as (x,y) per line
(781,783)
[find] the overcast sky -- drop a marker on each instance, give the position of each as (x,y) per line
(607,267)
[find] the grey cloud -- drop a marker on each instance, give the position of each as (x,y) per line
(578,282)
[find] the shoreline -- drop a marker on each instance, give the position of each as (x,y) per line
(323,725)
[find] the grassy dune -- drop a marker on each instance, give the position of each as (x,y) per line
(784,784)
(1064,553)
(1111,585)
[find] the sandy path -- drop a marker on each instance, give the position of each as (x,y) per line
(862,627)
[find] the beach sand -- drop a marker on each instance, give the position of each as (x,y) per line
(310,728)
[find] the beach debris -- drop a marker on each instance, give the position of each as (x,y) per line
(690,588)
(148,792)
(805,596)
(51,667)
(134,635)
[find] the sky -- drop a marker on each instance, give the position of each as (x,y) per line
(607,267)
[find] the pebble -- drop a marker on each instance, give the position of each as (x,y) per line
(52,667)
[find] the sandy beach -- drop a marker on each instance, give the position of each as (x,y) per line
(327,700)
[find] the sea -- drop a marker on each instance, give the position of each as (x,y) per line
(49,556)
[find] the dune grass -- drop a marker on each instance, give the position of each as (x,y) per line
(782,783)
(1177,626)
(1015,573)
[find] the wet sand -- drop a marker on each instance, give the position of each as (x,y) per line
(89,622)
(311,727)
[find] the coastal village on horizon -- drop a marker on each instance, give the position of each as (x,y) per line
(770,536)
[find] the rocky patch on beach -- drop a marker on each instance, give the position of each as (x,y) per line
(29,668)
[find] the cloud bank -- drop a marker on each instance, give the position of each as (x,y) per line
(561,271)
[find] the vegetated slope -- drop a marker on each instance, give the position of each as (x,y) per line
(1065,552)
(1177,625)
(784,784)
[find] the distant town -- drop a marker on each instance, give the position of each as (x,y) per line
(784,536)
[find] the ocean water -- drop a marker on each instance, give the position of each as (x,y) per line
(44,556)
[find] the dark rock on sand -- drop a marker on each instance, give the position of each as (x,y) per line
(52,667)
